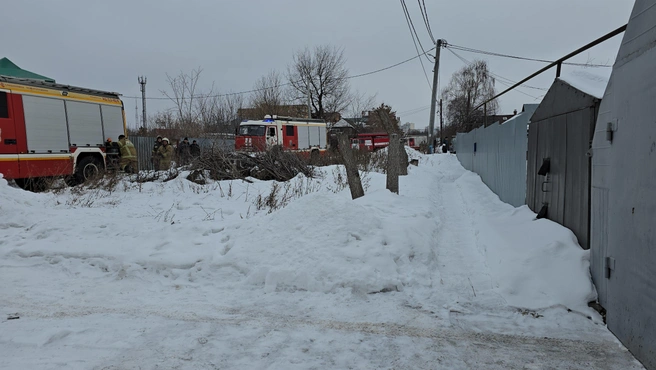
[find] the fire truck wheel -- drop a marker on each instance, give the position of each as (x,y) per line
(87,169)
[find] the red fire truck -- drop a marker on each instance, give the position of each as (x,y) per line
(370,141)
(50,130)
(295,134)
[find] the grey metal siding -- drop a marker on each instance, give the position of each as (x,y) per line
(577,175)
(532,167)
(112,118)
(499,156)
(562,135)
(624,185)
(144,146)
(84,123)
(45,124)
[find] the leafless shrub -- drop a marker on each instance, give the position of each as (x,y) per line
(281,195)
(274,164)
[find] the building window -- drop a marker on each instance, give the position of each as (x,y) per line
(290,130)
(4,106)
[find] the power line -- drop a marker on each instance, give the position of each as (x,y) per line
(424,15)
(414,111)
(288,83)
(477,51)
(500,78)
(411,28)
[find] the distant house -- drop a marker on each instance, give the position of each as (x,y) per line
(340,127)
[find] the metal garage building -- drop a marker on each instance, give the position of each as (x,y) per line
(623,217)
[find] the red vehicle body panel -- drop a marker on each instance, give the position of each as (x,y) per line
(370,141)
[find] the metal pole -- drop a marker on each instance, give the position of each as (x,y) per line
(559,61)
(485,115)
(436,71)
(441,125)
(142,82)
(136,113)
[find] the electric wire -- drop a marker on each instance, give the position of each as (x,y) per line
(472,50)
(410,27)
(503,80)
(285,84)
(466,62)
(413,29)
(424,15)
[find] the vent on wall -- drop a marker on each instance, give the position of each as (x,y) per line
(545,168)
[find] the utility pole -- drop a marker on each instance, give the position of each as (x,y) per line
(436,71)
(142,82)
(136,113)
(441,124)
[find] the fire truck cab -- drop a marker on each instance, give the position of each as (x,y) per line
(294,134)
(52,130)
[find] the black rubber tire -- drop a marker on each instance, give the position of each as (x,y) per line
(88,168)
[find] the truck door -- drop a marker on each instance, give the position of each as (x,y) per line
(7,126)
(271,136)
(8,138)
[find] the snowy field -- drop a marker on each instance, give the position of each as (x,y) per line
(175,275)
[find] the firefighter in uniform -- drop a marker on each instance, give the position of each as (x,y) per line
(165,153)
(128,161)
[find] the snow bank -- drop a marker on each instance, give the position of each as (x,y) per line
(535,263)
(322,244)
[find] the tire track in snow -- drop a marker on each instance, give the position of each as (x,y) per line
(463,267)
(493,350)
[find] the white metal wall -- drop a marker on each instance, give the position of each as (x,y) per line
(497,153)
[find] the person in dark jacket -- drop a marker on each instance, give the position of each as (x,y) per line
(184,152)
(154,155)
(194,149)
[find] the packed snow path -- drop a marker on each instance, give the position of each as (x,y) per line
(444,276)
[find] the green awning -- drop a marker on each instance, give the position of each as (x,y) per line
(8,68)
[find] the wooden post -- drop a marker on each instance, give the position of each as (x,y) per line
(393,164)
(403,156)
(352,173)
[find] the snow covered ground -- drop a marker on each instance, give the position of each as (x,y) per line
(175,275)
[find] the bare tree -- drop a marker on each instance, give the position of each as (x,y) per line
(322,74)
(270,94)
(468,88)
(196,112)
(228,118)
(183,92)
(360,105)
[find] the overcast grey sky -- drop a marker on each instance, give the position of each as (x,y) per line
(106,44)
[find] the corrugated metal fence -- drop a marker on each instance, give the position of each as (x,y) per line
(144,146)
(497,153)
